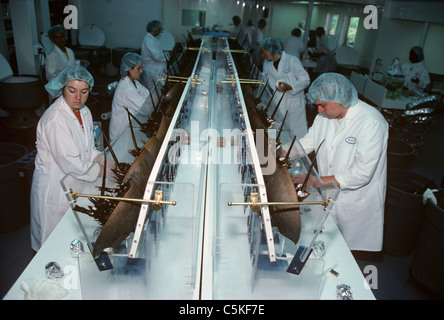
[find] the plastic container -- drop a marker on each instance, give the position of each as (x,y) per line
(14,196)
(428,258)
(404,210)
(400,154)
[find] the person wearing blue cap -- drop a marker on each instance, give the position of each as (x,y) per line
(60,56)
(65,145)
(286,74)
(130,93)
(154,60)
(353,155)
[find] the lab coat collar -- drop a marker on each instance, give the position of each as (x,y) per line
(68,110)
(352,112)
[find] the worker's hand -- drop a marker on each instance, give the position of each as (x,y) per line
(312,181)
(282,86)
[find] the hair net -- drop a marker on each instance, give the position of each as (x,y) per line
(274,45)
(57,28)
(56,85)
(129,61)
(419,52)
(153,25)
(333,87)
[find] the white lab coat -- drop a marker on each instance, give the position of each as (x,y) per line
(256,39)
(154,61)
(295,46)
(56,62)
(136,98)
(326,62)
(290,71)
(62,147)
(354,152)
(249,31)
(240,34)
(418,70)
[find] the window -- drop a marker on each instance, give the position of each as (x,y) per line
(332,23)
(194,18)
(352,29)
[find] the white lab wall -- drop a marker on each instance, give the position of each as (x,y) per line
(217,12)
(398,35)
(284,18)
(122,21)
(401,26)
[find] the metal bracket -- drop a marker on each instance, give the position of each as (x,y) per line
(255,206)
(232,80)
(156,203)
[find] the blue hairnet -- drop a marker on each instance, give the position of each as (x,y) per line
(129,61)
(274,45)
(333,87)
(153,25)
(57,28)
(56,85)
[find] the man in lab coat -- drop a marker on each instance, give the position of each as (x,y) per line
(294,45)
(256,39)
(154,60)
(326,60)
(65,145)
(286,74)
(353,156)
(239,32)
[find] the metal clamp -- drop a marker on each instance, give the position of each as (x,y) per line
(232,80)
(194,80)
(156,203)
(256,206)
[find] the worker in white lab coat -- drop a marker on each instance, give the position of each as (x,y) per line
(416,75)
(239,32)
(154,60)
(294,45)
(65,145)
(130,93)
(286,74)
(353,156)
(60,56)
(257,37)
(326,59)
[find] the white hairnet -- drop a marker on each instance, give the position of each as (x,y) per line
(129,61)
(333,87)
(274,45)
(153,25)
(56,85)
(57,28)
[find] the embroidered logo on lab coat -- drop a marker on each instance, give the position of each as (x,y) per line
(288,70)
(350,140)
